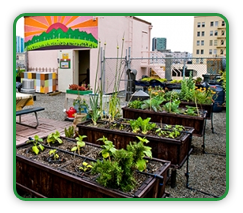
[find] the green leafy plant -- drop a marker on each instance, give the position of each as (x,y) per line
(19,72)
(108,149)
(81,104)
(142,125)
(223,79)
(53,153)
(80,143)
(172,106)
(118,171)
(203,95)
(153,104)
(85,167)
(170,131)
(139,151)
(134,125)
(114,110)
(53,137)
(190,110)
(69,132)
(37,147)
(136,104)
(187,89)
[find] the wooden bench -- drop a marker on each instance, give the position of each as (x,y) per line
(27,111)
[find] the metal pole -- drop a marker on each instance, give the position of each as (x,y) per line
(184,67)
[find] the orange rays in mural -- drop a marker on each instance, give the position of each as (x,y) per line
(39,28)
(35,25)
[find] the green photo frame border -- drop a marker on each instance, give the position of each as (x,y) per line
(122,199)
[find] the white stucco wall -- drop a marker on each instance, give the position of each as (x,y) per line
(111,30)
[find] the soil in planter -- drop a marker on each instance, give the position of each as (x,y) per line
(44,157)
(123,125)
(67,145)
(72,168)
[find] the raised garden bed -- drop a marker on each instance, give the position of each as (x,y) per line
(175,150)
(44,178)
(196,122)
(206,107)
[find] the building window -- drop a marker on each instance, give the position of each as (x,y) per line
(223,23)
(198,24)
(210,51)
(203,24)
(215,51)
(202,52)
(197,52)
(216,32)
(210,42)
(221,52)
(211,24)
(222,42)
(222,32)
(198,33)
(198,43)
(216,23)
(202,42)
(202,33)
(215,42)
(211,33)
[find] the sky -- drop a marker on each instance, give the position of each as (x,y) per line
(178,30)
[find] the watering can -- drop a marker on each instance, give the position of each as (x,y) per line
(70,113)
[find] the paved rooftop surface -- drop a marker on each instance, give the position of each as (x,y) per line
(46,126)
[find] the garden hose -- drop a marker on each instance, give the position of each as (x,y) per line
(153,175)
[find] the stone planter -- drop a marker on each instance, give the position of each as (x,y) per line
(53,181)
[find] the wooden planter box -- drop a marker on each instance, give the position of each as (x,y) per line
(207,107)
(43,180)
(174,150)
(198,123)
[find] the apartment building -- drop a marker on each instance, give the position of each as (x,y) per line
(19,44)
(209,39)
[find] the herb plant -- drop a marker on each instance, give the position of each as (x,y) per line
(139,151)
(69,132)
(37,147)
(80,143)
(53,153)
(53,137)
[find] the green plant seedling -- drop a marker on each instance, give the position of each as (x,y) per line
(80,143)
(108,149)
(37,147)
(53,153)
(69,133)
(53,137)
(85,167)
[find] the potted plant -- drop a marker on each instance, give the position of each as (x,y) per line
(18,74)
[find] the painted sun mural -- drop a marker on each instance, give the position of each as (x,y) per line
(53,32)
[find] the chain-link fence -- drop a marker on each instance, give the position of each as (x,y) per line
(167,67)
(114,74)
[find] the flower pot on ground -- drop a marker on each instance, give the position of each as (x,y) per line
(71,178)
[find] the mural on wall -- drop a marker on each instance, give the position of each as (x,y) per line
(55,32)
